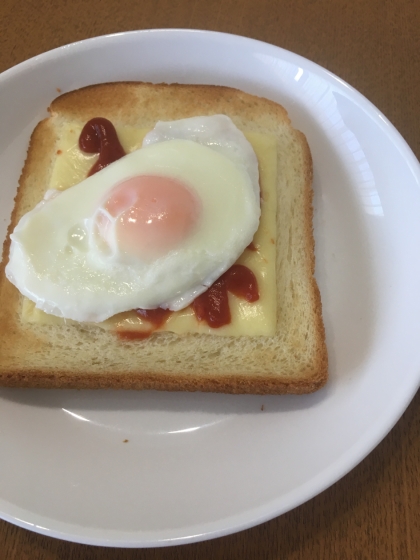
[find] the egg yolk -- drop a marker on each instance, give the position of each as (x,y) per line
(147,216)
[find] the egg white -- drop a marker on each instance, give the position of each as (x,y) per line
(219,133)
(56,262)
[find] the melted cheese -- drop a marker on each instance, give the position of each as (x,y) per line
(250,319)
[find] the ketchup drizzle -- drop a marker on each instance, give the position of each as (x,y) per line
(156,316)
(213,306)
(241,282)
(100,137)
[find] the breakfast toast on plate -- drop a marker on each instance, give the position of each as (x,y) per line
(281,350)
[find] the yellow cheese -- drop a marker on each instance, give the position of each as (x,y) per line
(251,319)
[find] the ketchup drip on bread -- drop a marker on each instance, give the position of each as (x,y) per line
(157,317)
(99,136)
(213,305)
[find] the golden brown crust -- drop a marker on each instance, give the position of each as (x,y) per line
(21,345)
(229,384)
(161,101)
(322,356)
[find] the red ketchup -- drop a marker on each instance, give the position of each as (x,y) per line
(156,316)
(213,306)
(100,137)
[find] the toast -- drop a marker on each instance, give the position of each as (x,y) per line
(294,360)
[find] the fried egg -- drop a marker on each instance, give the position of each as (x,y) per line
(153,229)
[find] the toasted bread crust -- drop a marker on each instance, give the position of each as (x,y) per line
(33,356)
(232,384)
(161,101)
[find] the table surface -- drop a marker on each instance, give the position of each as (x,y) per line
(374,511)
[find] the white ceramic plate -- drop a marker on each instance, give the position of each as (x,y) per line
(198,466)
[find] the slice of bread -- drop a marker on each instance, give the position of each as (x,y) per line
(81,356)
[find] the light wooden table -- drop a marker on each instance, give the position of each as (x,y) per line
(374,512)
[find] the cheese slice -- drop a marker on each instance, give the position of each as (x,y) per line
(251,319)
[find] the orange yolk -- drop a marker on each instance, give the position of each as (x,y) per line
(153,215)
